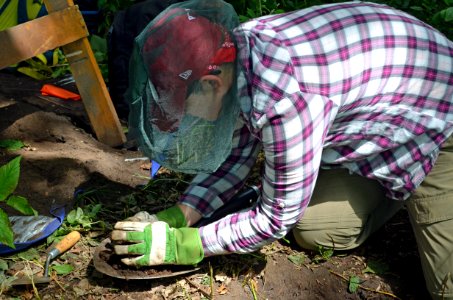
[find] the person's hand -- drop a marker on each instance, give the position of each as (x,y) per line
(173,216)
(149,244)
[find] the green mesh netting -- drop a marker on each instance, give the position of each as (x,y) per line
(183,43)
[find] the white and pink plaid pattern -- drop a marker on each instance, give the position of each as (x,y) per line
(355,85)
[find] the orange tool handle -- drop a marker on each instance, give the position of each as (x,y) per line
(66,243)
(55,91)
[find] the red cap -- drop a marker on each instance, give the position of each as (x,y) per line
(179,49)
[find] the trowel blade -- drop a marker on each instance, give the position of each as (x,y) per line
(31,280)
(103,267)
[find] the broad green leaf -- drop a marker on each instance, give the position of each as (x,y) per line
(448,14)
(92,213)
(75,216)
(39,65)
(6,234)
(30,254)
(55,56)
(297,259)
(445,15)
(376,267)
(354,283)
(98,44)
(9,177)
(63,269)
(102,3)
(11,145)
(86,224)
(21,204)
(31,73)
(59,71)
(3,265)
(42,58)
(325,252)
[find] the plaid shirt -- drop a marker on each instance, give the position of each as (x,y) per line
(355,85)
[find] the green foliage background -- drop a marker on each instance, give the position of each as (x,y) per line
(438,13)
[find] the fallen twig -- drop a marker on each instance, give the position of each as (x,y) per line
(365,288)
(211,281)
(55,279)
(199,288)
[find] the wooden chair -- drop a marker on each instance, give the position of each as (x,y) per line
(65,27)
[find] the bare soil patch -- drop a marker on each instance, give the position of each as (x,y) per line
(63,158)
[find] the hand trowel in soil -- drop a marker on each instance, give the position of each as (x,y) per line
(62,246)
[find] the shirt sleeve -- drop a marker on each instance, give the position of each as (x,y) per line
(291,126)
(292,138)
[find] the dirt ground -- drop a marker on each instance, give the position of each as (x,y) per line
(63,157)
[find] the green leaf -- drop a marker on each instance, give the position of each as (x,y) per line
(325,252)
(21,204)
(6,234)
(9,177)
(31,73)
(92,213)
(448,14)
(11,145)
(30,254)
(298,259)
(42,58)
(376,267)
(38,65)
(75,216)
(6,283)
(416,8)
(445,15)
(354,283)
(55,56)
(3,265)
(98,44)
(102,3)
(63,269)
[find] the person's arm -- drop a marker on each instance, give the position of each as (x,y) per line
(144,240)
(291,126)
(292,141)
(208,192)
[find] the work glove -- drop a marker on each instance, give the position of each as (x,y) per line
(157,243)
(173,216)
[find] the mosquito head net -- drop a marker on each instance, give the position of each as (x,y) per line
(185,42)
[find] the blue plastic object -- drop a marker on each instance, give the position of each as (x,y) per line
(154,168)
(58,213)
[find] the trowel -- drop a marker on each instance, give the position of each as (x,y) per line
(62,246)
(241,201)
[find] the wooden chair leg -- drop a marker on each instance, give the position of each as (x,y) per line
(91,85)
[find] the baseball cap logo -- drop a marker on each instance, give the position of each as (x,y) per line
(189,17)
(186,74)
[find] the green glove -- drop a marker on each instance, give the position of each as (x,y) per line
(173,216)
(157,244)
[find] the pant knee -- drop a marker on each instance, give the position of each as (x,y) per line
(336,238)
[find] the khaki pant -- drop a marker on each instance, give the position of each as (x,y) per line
(346,209)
